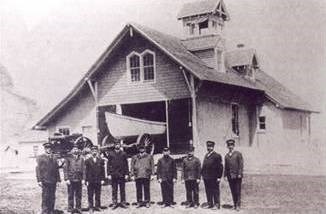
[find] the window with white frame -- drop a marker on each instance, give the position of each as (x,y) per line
(262,123)
(148,60)
(235,119)
(134,63)
(141,66)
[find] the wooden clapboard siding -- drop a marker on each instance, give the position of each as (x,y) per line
(208,56)
(284,128)
(79,112)
(113,81)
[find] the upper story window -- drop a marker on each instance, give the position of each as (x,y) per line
(134,68)
(141,66)
(203,27)
(191,29)
(148,60)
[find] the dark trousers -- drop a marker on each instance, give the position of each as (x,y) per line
(192,192)
(143,185)
(167,192)
(48,197)
(118,182)
(94,189)
(74,193)
(235,186)
(212,187)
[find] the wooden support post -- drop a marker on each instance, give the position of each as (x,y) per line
(94,91)
(97,114)
(309,128)
(186,79)
(167,123)
(194,112)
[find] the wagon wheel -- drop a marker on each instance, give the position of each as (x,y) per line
(145,140)
(83,142)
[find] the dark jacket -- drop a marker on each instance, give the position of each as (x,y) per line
(166,168)
(142,166)
(73,168)
(94,171)
(117,165)
(47,169)
(233,165)
(212,166)
(191,168)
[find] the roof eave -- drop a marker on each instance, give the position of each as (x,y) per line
(42,123)
(279,105)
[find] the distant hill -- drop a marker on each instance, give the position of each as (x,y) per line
(15,110)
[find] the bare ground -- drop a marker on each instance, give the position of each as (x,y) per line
(261,194)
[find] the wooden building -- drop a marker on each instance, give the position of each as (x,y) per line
(200,89)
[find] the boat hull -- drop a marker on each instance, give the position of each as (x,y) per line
(121,126)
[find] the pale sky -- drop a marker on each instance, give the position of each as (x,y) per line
(48,45)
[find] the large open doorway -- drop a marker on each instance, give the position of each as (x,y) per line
(178,135)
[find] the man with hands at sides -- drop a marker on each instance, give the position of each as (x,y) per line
(118,170)
(191,169)
(73,170)
(234,172)
(94,178)
(47,174)
(166,176)
(212,171)
(142,170)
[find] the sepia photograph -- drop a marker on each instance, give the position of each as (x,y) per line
(162,106)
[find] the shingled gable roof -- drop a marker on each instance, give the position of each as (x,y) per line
(170,45)
(202,42)
(203,7)
(279,94)
(240,57)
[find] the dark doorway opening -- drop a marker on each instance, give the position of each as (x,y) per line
(180,129)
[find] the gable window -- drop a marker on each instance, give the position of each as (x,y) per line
(141,66)
(235,118)
(63,130)
(134,63)
(262,123)
(148,60)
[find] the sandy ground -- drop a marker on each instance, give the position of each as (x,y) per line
(261,194)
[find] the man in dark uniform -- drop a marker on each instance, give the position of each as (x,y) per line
(166,176)
(142,169)
(212,170)
(73,169)
(234,172)
(94,178)
(191,169)
(118,170)
(47,174)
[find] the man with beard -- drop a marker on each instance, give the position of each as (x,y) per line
(73,169)
(234,172)
(166,176)
(47,174)
(191,177)
(118,171)
(94,178)
(142,169)
(212,170)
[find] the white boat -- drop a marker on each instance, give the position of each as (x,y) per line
(121,126)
